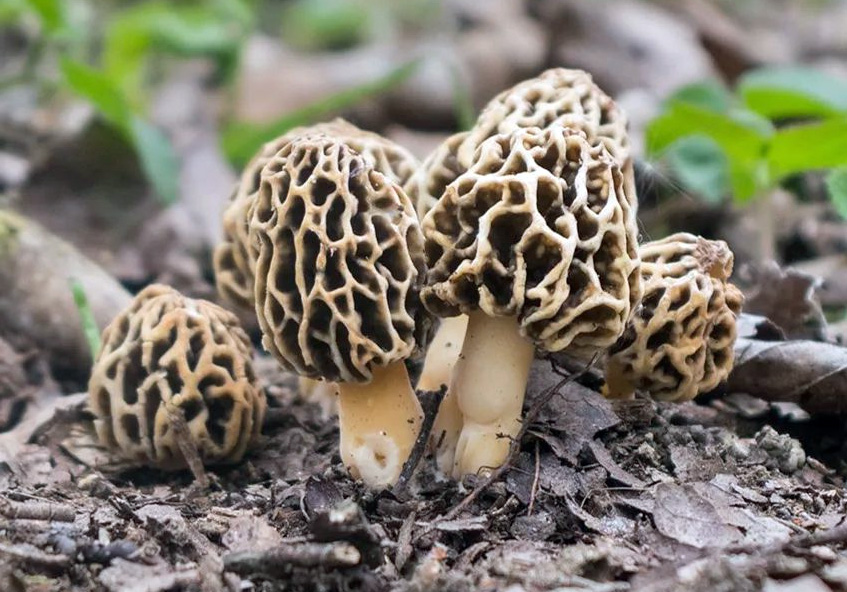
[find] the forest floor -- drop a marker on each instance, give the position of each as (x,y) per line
(600,496)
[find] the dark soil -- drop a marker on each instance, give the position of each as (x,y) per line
(635,496)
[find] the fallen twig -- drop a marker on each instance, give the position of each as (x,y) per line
(187,445)
(430,401)
(278,559)
(37,511)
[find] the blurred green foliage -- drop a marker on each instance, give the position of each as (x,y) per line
(126,42)
(86,317)
(775,124)
(112,53)
(242,140)
(340,24)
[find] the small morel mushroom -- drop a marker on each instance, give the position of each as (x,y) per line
(170,354)
(536,242)
(338,271)
(679,343)
(234,265)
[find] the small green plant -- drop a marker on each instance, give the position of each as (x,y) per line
(86,317)
(127,47)
(242,140)
(776,124)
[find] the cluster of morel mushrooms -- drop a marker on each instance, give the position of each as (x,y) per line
(515,237)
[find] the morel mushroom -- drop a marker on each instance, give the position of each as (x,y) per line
(680,341)
(338,271)
(234,265)
(537,244)
(169,354)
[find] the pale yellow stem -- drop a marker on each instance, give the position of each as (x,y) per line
(617,386)
(440,358)
(379,423)
(489,382)
(320,392)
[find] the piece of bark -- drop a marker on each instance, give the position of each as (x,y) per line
(37,308)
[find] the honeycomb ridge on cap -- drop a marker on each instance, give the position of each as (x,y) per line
(165,353)
(436,172)
(339,263)
(679,343)
(233,262)
(538,228)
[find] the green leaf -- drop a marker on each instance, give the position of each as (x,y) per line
(710,94)
(700,164)
(158,159)
(155,151)
(136,33)
(240,141)
(98,88)
(808,147)
(836,186)
(783,92)
(51,13)
(735,134)
(462,104)
(86,317)
(325,24)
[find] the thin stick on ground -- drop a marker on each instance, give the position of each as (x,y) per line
(430,402)
(536,477)
(187,445)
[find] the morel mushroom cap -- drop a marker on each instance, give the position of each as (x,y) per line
(536,242)
(234,267)
(679,343)
(437,171)
(169,353)
(338,271)
(558,97)
(537,229)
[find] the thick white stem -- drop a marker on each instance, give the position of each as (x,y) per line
(489,382)
(379,423)
(438,366)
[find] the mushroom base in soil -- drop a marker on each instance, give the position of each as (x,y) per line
(379,423)
(438,367)
(489,381)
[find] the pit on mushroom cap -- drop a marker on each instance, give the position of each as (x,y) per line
(170,353)
(338,270)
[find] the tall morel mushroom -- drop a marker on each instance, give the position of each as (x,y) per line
(170,354)
(680,341)
(537,244)
(338,271)
(557,98)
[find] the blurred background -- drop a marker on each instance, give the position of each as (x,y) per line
(124,125)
